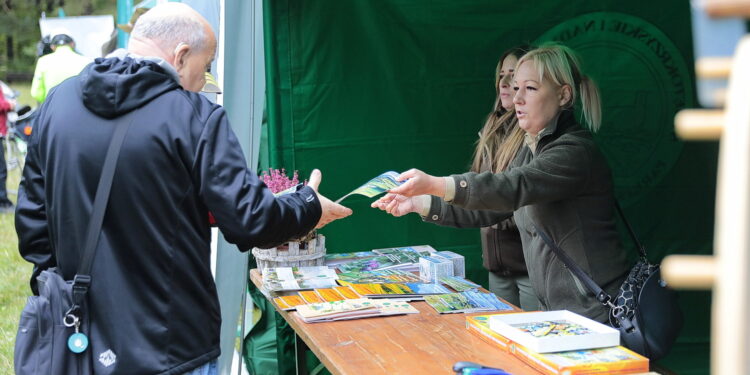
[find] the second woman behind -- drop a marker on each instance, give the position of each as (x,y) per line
(559,184)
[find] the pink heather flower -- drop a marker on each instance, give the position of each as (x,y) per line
(277,180)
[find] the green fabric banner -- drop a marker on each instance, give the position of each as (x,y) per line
(357,88)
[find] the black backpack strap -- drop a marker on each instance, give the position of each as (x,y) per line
(592,286)
(82,279)
(641,249)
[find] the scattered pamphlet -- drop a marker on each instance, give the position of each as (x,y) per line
(412,291)
(404,259)
(298,278)
(554,331)
(612,360)
(347,292)
(339,258)
(289,302)
(337,293)
(310,296)
(329,295)
(480,326)
(377,185)
(468,301)
(353,309)
(422,250)
(378,277)
(459,284)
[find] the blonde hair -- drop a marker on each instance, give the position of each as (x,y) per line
(499,141)
(560,65)
(500,137)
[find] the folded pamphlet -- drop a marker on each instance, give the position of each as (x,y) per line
(377,185)
(352,309)
(298,278)
(468,301)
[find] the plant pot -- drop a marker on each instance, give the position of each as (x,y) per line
(292,254)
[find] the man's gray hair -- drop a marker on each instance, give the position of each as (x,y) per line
(168,29)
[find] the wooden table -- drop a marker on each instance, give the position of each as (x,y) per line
(426,343)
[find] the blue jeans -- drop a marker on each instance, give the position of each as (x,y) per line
(209,368)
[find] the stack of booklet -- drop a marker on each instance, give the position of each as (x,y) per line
(611,360)
(465,302)
(459,284)
(352,309)
(395,258)
(554,331)
(336,293)
(395,291)
(378,277)
(402,291)
(298,278)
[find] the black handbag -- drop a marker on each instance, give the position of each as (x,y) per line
(51,337)
(645,310)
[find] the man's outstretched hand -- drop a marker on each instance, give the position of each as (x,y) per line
(331,211)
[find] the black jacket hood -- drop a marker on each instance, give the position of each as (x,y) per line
(111,87)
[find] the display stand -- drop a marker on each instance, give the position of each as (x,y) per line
(727,272)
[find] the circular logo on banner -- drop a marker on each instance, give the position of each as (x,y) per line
(643,81)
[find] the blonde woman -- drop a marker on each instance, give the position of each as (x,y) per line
(499,141)
(559,181)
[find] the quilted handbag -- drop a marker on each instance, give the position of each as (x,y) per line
(645,310)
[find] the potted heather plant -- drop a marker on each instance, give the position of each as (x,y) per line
(307,251)
(278,182)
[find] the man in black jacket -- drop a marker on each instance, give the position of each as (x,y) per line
(152,301)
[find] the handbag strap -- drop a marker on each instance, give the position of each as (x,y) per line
(641,249)
(600,294)
(82,279)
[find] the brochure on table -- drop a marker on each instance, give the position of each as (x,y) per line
(554,331)
(404,258)
(378,277)
(352,309)
(298,278)
(467,301)
(611,360)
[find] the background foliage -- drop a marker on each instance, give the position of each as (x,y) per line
(19,30)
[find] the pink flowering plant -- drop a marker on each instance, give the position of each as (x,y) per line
(279,183)
(277,180)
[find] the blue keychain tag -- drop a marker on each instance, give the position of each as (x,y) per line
(78,342)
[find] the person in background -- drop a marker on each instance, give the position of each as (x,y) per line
(559,183)
(43,46)
(6,206)
(152,302)
(498,143)
(53,68)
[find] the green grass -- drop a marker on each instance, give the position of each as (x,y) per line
(14,286)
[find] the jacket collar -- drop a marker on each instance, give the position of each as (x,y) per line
(122,53)
(559,123)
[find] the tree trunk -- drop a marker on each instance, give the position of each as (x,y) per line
(88,7)
(9,47)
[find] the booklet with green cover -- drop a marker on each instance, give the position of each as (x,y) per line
(377,185)
(378,277)
(298,278)
(468,301)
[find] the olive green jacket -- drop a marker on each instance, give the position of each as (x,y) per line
(502,252)
(565,188)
